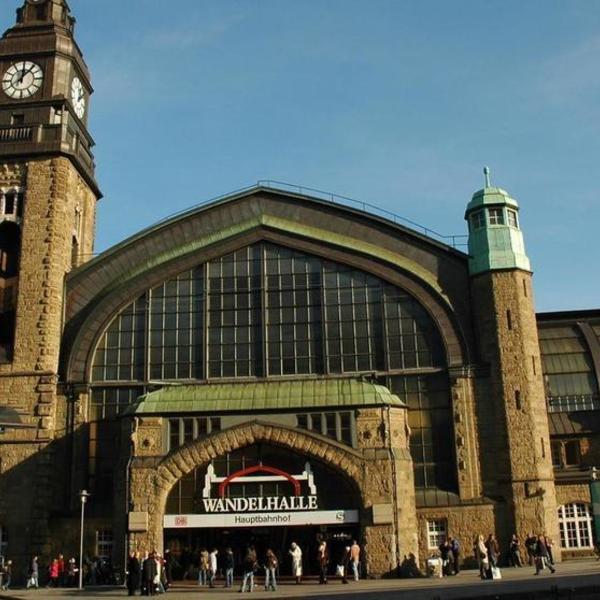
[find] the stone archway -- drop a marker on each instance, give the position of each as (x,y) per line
(372,476)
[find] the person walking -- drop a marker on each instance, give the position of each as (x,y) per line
(345,561)
(455,548)
(54,573)
(530,546)
(482,556)
(270,569)
(549,545)
(133,573)
(229,564)
(34,574)
(355,559)
(204,566)
(212,567)
(514,554)
(296,554)
(149,574)
(542,560)
(493,550)
(323,559)
(248,567)
(7,575)
(447,558)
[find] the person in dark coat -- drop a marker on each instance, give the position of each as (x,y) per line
(149,573)
(542,559)
(134,573)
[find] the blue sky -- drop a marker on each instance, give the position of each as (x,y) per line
(395,102)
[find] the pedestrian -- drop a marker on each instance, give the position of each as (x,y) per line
(344,564)
(71,572)
(34,574)
(323,560)
(492,550)
(549,545)
(7,575)
(229,565)
(54,573)
(212,567)
(355,559)
(455,547)
(530,546)
(514,555)
(447,558)
(204,566)
(133,573)
(62,571)
(542,560)
(149,574)
(270,569)
(248,568)
(296,554)
(481,556)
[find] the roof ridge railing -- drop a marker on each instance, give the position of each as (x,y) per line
(363,206)
(456,241)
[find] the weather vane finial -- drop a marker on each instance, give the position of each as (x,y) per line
(486,173)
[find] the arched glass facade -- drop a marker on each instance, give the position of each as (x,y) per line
(270,311)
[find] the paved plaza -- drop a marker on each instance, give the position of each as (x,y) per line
(570,577)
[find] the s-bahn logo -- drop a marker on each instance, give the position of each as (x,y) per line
(296,501)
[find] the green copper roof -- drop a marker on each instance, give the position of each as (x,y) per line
(491,196)
(494,244)
(271,395)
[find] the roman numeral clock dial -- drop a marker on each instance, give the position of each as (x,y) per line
(78,97)
(22,80)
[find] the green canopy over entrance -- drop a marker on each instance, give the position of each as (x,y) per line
(266,395)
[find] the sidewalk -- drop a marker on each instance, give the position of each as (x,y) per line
(570,576)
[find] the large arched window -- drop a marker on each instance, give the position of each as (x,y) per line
(265,311)
(576,525)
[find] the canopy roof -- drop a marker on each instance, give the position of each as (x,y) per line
(271,395)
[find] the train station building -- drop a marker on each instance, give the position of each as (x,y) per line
(271,366)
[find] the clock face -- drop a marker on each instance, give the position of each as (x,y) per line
(22,80)
(78,97)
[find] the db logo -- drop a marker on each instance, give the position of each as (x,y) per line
(181,521)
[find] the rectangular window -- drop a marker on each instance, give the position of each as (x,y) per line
(478,220)
(17,119)
(513,220)
(104,543)
(556,454)
(496,216)
(572,453)
(436,533)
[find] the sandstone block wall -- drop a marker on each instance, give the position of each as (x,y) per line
(515,408)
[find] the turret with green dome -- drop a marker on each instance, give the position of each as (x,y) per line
(495,238)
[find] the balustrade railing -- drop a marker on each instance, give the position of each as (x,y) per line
(573,403)
(16,134)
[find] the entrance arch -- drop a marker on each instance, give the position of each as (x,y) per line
(370,474)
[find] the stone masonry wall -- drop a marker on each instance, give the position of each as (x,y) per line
(31,485)
(509,344)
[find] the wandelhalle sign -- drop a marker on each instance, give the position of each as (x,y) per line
(300,507)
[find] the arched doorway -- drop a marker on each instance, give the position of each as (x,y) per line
(264,496)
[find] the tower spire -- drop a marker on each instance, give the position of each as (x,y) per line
(486,174)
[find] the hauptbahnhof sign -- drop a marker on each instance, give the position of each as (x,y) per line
(264,511)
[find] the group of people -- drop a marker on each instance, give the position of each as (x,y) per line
(450,555)
(151,574)
(539,553)
(148,574)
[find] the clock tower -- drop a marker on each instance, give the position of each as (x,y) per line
(48,196)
